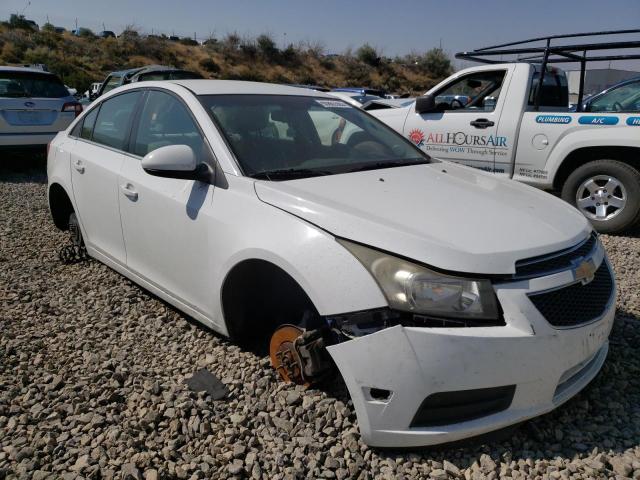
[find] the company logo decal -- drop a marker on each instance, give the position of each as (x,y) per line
(417,137)
(585,271)
(598,120)
(465,140)
(633,121)
(564,119)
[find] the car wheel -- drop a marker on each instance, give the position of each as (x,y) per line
(74,231)
(607,192)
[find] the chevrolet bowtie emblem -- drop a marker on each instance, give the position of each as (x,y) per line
(585,271)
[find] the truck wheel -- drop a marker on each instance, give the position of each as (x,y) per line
(607,192)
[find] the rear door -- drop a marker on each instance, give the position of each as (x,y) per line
(32,102)
(165,220)
(96,161)
(464,129)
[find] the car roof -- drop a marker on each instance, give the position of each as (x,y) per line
(24,69)
(229,87)
(127,71)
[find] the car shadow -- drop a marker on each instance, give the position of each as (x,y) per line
(23,166)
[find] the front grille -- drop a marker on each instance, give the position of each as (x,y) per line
(444,408)
(555,262)
(577,303)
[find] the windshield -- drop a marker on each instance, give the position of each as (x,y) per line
(32,85)
(280,137)
(112,82)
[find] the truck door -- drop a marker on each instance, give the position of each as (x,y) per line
(464,127)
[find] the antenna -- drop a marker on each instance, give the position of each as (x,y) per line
(25,8)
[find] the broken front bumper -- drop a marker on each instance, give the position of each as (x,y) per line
(423,386)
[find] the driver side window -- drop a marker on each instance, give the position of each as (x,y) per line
(476,92)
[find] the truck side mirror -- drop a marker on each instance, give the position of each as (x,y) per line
(426,104)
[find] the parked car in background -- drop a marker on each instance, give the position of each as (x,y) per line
(151,72)
(624,97)
(106,34)
(362,91)
(382,103)
(159,72)
(93,91)
(453,302)
(72,91)
(355,99)
(34,106)
(59,29)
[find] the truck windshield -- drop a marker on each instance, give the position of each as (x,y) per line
(282,137)
(113,81)
(32,85)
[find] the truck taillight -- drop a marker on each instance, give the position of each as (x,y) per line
(72,107)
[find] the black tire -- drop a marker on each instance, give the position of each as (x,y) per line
(620,219)
(74,231)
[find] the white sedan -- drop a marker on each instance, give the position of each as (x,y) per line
(452,302)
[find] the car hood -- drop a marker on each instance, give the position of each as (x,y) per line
(441,214)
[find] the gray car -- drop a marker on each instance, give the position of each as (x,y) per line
(34,107)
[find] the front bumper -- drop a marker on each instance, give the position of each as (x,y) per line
(546,365)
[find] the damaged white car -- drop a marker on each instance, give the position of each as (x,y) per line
(452,302)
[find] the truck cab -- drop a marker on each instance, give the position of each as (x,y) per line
(498,118)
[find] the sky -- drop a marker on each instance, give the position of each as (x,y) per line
(394,27)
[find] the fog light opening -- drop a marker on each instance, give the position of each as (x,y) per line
(380,394)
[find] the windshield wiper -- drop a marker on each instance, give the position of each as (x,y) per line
(289,174)
(389,164)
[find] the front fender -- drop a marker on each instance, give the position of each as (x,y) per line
(335,281)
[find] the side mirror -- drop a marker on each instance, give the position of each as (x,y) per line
(426,104)
(175,161)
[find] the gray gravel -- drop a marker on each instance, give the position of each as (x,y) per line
(92,373)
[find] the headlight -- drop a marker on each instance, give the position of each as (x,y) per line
(413,288)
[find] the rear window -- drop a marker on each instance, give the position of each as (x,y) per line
(555,91)
(31,85)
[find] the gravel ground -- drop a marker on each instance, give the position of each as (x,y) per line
(92,373)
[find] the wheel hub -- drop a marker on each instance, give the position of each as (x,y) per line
(284,356)
(601,197)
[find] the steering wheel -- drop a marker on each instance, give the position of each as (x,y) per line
(617,106)
(454,101)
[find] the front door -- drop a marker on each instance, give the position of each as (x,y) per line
(164,220)
(464,128)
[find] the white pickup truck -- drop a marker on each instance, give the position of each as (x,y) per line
(486,117)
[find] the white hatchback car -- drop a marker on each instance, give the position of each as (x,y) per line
(34,106)
(452,302)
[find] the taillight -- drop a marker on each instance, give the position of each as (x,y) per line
(72,107)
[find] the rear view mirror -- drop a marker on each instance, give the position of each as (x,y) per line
(175,161)
(425,104)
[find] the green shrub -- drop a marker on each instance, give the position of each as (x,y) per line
(369,55)
(210,65)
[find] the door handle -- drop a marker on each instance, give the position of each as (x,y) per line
(481,123)
(77,164)
(129,192)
